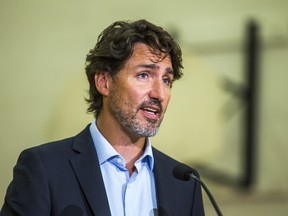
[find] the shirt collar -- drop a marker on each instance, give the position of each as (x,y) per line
(105,151)
(148,154)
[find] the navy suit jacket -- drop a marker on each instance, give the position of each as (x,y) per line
(54,177)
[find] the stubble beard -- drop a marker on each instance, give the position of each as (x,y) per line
(127,117)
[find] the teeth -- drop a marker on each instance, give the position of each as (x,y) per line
(150,109)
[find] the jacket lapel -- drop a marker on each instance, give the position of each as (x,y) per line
(163,188)
(88,173)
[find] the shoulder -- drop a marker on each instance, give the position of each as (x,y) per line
(62,144)
(166,161)
(59,149)
(161,157)
(51,148)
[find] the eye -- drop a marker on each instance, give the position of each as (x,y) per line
(142,75)
(167,81)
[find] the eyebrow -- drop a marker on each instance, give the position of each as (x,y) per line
(154,67)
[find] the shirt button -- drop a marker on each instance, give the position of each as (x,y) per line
(119,161)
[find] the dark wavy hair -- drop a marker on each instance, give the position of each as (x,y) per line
(114,47)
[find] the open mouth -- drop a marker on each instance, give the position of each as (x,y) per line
(151,112)
(151,109)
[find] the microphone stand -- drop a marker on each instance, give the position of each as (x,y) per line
(192,176)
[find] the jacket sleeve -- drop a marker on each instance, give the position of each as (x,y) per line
(28,193)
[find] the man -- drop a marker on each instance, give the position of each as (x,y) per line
(110,167)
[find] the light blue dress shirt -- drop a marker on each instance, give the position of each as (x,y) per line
(133,195)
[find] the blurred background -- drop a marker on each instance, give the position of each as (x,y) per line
(229,124)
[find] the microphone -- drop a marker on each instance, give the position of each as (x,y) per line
(71,210)
(186,173)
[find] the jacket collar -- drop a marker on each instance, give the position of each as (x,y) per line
(88,173)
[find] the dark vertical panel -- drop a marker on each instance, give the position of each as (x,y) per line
(250,121)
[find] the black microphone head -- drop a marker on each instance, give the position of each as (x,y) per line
(186,173)
(71,210)
(183,172)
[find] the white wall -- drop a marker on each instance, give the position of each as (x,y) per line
(42,52)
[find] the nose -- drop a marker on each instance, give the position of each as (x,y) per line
(159,91)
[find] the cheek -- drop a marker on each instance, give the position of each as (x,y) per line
(136,93)
(165,103)
(133,98)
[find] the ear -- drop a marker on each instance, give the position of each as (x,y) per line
(102,82)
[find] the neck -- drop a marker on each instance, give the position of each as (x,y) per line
(129,147)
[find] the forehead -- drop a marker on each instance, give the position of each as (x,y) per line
(144,53)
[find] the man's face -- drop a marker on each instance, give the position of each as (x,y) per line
(140,93)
